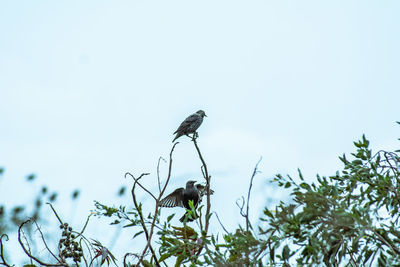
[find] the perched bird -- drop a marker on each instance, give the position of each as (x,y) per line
(181,196)
(190,124)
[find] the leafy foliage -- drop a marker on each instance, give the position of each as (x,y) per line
(350,218)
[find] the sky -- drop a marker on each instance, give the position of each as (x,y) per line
(90,90)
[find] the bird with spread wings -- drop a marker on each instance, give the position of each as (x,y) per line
(181,197)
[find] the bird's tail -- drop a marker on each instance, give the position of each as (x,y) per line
(176,137)
(189,217)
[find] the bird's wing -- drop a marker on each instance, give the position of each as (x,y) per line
(173,200)
(187,122)
(203,190)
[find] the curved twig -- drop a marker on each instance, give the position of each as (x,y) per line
(158,173)
(207,177)
(1,251)
(241,206)
(248,225)
(84,227)
(55,212)
(157,207)
(127,255)
(223,227)
(142,221)
(144,188)
(29,254)
(88,248)
(44,241)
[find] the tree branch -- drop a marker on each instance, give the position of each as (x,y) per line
(208,178)
(158,173)
(1,250)
(157,206)
(144,188)
(248,225)
(44,241)
(142,222)
(29,254)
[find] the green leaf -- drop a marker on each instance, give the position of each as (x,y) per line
(130,225)
(285,252)
(30,177)
(138,233)
(367,256)
(170,217)
(272,254)
(121,191)
(191,204)
(75,194)
(365,141)
(164,257)
(147,263)
(305,186)
(300,175)
(178,261)
(268,213)
(53,197)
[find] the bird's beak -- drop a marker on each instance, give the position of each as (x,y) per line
(205,115)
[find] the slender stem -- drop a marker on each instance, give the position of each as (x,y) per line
(351,258)
(84,227)
(55,213)
(248,225)
(29,254)
(223,227)
(158,173)
(1,250)
(146,232)
(208,178)
(384,241)
(44,241)
(87,246)
(144,188)
(157,206)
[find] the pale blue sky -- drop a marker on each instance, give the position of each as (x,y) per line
(92,89)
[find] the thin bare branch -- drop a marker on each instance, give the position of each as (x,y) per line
(1,251)
(88,249)
(384,241)
(142,220)
(136,180)
(248,225)
(223,227)
(241,206)
(55,212)
(84,227)
(158,173)
(44,241)
(157,207)
(207,177)
(127,255)
(29,254)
